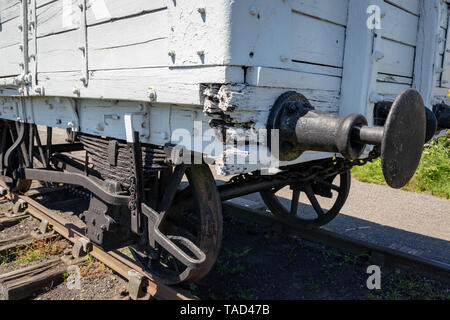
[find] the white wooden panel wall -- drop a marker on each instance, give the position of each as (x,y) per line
(9,9)
(359,73)
(334,11)
(50,14)
(10,38)
(443,59)
(132,36)
(407,5)
(317,48)
(399,40)
(427,48)
(140,41)
(441,85)
(316,41)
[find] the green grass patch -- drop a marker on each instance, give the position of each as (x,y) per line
(432,176)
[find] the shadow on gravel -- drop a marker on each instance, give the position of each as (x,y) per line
(394,238)
(256,263)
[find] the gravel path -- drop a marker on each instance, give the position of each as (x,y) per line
(415,223)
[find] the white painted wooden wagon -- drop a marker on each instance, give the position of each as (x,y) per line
(189,72)
(219,59)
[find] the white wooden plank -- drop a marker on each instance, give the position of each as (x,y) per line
(171,85)
(9,9)
(386,88)
(317,41)
(9,66)
(399,25)
(262,39)
(426,52)
(409,5)
(59,52)
(331,10)
(116,9)
(445,63)
(359,74)
(52,18)
(442,93)
(41,3)
(398,59)
(140,41)
(270,77)
(10,54)
(9,33)
(444,15)
(393,79)
(317,69)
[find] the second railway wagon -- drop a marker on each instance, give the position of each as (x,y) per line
(281,94)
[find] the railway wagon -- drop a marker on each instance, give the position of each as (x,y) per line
(280,94)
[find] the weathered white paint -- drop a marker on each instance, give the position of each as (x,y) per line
(428,38)
(360,70)
(169,63)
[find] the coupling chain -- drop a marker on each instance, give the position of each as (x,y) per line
(321,169)
(132,181)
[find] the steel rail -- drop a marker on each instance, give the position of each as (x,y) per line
(114,260)
(378,254)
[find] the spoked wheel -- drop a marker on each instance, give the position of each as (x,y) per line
(13,134)
(284,202)
(201,225)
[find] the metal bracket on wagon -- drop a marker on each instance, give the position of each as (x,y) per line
(302,128)
(168,242)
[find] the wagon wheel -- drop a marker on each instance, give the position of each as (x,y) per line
(10,132)
(202,225)
(335,188)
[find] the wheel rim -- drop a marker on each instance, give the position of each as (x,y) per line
(287,207)
(202,225)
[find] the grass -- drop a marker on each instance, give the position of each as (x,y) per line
(93,268)
(39,250)
(432,176)
(233,266)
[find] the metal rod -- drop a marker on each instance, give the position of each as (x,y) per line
(368,135)
(231,191)
(76,179)
(48,147)
(39,146)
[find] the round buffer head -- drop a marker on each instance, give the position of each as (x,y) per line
(403,139)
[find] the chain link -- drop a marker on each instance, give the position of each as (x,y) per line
(321,169)
(132,181)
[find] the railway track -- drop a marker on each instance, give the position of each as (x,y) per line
(122,264)
(378,255)
(117,261)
